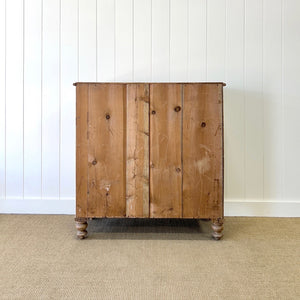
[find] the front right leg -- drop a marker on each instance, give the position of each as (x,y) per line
(81,225)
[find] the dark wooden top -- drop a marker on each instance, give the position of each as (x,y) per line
(224,84)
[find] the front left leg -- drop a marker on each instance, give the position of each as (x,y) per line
(81,225)
(217,227)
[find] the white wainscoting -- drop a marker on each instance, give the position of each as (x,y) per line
(252,45)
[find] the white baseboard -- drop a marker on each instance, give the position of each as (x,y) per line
(232,207)
(262,208)
(64,206)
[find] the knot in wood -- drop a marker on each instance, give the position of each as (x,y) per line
(153,112)
(203,124)
(178,170)
(107,116)
(94,162)
(177,108)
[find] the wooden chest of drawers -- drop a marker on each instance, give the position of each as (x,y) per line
(149,150)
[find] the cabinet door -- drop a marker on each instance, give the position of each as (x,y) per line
(106,150)
(112,156)
(202,151)
(165,150)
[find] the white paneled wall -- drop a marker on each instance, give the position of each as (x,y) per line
(252,45)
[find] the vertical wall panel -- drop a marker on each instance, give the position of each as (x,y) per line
(32,98)
(106,40)
(272,93)
(50,100)
(160,40)
(197,40)
(2,100)
(87,40)
(234,103)
(216,37)
(14,99)
(142,40)
(178,40)
(291,110)
(254,144)
(68,76)
(124,40)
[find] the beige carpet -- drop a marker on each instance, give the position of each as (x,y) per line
(40,258)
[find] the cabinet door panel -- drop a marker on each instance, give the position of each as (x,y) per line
(202,151)
(165,151)
(107,150)
(137,168)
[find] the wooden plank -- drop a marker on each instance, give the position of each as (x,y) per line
(50,99)
(179,40)
(32,99)
(291,103)
(106,40)
(142,48)
(234,107)
(69,74)
(137,170)
(87,40)
(202,151)
(273,123)
(165,151)
(123,40)
(2,102)
(197,21)
(160,40)
(254,108)
(81,149)
(14,100)
(107,150)
(216,40)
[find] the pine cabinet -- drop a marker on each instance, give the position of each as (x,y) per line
(149,150)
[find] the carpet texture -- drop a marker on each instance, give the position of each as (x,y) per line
(41,258)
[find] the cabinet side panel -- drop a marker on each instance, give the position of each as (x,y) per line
(81,149)
(106,156)
(165,151)
(137,164)
(202,151)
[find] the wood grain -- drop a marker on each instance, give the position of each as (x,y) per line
(165,151)
(202,151)
(107,148)
(137,164)
(81,150)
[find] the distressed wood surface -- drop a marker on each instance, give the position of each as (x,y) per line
(107,150)
(202,151)
(81,150)
(180,126)
(165,151)
(137,164)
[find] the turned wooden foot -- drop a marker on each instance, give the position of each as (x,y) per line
(81,225)
(217,227)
